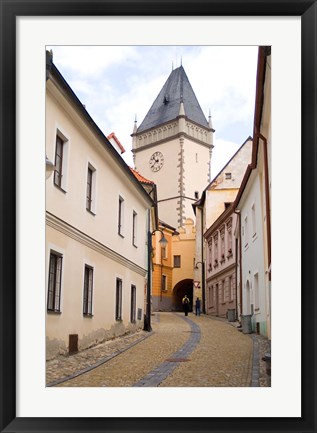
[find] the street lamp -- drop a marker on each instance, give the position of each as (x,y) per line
(163,242)
(49,167)
(203,284)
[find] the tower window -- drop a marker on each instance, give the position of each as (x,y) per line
(228,175)
(196,194)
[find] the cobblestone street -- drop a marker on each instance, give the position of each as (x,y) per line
(180,352)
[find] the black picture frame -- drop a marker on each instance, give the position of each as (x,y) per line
(9,11)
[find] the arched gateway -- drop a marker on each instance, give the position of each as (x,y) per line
(182,288)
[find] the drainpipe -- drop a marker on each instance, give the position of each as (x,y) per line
(240,254)
(267,203)
(236,272)
(202,262)
(147,316)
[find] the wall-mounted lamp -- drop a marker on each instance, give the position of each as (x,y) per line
(49,167)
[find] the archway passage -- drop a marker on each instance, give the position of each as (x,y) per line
(182,288)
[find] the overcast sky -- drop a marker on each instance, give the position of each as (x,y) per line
(117,83)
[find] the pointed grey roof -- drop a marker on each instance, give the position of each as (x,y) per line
(166,106)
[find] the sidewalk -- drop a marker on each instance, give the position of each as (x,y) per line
(68,367)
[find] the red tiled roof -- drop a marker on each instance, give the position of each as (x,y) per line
(113,135)
(141,178)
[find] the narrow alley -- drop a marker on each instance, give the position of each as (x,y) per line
(180,352)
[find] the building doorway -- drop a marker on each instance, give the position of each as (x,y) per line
(182,288)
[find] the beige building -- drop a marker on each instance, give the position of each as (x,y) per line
(97,218)
(173,266)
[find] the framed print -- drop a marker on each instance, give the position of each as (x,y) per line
(29,402)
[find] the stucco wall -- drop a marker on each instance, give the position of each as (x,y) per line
(253,253)
(102,325)
(91,238)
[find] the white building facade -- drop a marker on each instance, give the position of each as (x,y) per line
(253,202)
(97,218)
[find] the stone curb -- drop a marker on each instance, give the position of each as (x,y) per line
(100,362)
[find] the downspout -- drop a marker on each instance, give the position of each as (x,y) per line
(240,254)
(147,316)
(267,203)
(236,272)
(202,262)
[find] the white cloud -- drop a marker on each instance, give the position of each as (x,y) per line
(115,83)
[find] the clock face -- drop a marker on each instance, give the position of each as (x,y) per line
(156,161)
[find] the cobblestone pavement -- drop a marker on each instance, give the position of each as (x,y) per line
(181,351)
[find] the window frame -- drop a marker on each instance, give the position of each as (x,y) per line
(91,189)
(164,280)
(121,216)
(88,291)
(118,306)
(133,304)
(54,297)
(134,229)
(180,261)
(59,173)
(253,218)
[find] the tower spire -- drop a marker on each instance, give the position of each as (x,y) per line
(135,128)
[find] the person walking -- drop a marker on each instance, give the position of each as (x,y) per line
(197,306)
(185,302)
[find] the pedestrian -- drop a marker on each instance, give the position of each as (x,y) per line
(197,306)
(185,302)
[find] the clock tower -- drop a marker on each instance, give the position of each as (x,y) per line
(172,147)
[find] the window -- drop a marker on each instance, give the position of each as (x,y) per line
(91,173)
(177,261)
(222,244)
(133,304)
(119,299)
(256,292)
(120,216)
(88,289)
(134,228)
(246,237)
(223,296)
(211,295)
(58,173)
(230,288)
(228,175)
(229,236)
(164,283)
(216,248)
(89,189)
(54,282)
(196,194)
(253,221)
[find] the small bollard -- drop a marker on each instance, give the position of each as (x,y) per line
(267,359)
